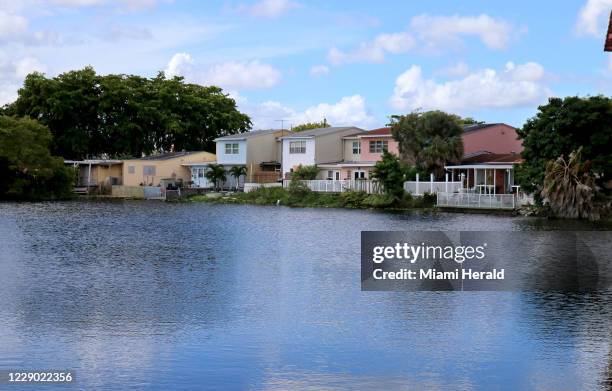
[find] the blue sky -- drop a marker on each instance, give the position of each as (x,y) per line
(352,62)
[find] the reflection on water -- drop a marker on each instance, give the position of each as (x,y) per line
(194,296)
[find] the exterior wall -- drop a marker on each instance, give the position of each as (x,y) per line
(100,174)
(293,160)
(128,192)
(262,148)
(330,147)
(348,150)
(239,158)
(495,139)
(366,156)
(348,172)
(164,169)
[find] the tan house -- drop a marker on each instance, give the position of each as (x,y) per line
(95,175)
(163,169)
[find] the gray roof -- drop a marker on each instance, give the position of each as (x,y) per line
(324,131)
(472,127)
(167,155)
(252,133)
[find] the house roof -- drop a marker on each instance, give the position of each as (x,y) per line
(492,158)
(168,155)
(377,132)
(323,131)
(94,161)
(474,127)
(251,134)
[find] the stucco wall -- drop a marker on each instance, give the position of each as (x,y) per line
(293,160)
(239,158)
(495,139)
(164,169)
(366,156)
(348,150)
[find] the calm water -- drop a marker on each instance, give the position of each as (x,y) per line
(146,295)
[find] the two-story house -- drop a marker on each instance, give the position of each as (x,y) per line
(259,151)
(322,146)
(360,153)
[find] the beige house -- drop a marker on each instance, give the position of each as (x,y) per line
(95,175)
(162,169)
(259,151)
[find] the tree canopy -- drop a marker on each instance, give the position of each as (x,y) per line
(310,125)
(562,126)
(429,139)
(126,115)
(27,169)
(390,172)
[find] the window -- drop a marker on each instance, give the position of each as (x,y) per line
(359,174)
(148,170)
(131,169)
(200,173)
(297,146)
(378,146)
(231,148)
(356,148)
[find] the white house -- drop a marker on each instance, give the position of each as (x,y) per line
(316,146)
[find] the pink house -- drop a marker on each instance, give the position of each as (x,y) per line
(493,138)
(360,152)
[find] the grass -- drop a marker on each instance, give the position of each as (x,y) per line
(300,196)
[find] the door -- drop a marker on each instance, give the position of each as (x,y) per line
(359,175)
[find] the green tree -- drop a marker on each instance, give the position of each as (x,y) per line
(305,173)
(27,169)
(237,172)
(216,174)
(311,125)
(120,115)
(390,173)
(429,140)
(562,126)
(569,187)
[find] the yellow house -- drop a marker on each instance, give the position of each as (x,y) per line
(164,168)
(95,175)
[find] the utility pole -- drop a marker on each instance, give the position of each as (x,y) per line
(282,121)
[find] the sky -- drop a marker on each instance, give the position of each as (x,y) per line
(350,62)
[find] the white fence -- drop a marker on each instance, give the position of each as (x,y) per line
(248,186)
(330,186)
(475,200)
(418,188)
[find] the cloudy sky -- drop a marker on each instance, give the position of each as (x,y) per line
(352,62)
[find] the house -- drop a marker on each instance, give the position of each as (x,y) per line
(497,138)
(259,151)
(164,168)
(360,153)
(96,174)
(323,147)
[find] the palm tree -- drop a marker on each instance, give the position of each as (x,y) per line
(570,188)
(216,174)
(237,172)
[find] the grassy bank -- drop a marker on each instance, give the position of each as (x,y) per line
(298,196)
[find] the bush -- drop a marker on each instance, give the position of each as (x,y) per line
(305,173)
(379,200)
(353,199)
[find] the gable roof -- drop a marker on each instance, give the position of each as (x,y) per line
(608,44)
(251,134)
(484,157)
(474,127)
(323,131)
(168,155)
(377,132)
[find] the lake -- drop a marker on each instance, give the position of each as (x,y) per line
(153,295)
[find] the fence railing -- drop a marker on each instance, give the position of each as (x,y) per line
(475,200)
(339,186)
(419,187)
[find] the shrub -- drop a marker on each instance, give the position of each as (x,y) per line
(305,172)
(379,200)
(353,199)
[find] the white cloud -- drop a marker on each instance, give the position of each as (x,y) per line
(179,65)
(12,74)
(459,69)
(513,86)
(350,110)
(12,25)
(445,31)
(230,75)
(591,19)
(269,8)
(319,70)
(375,50)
